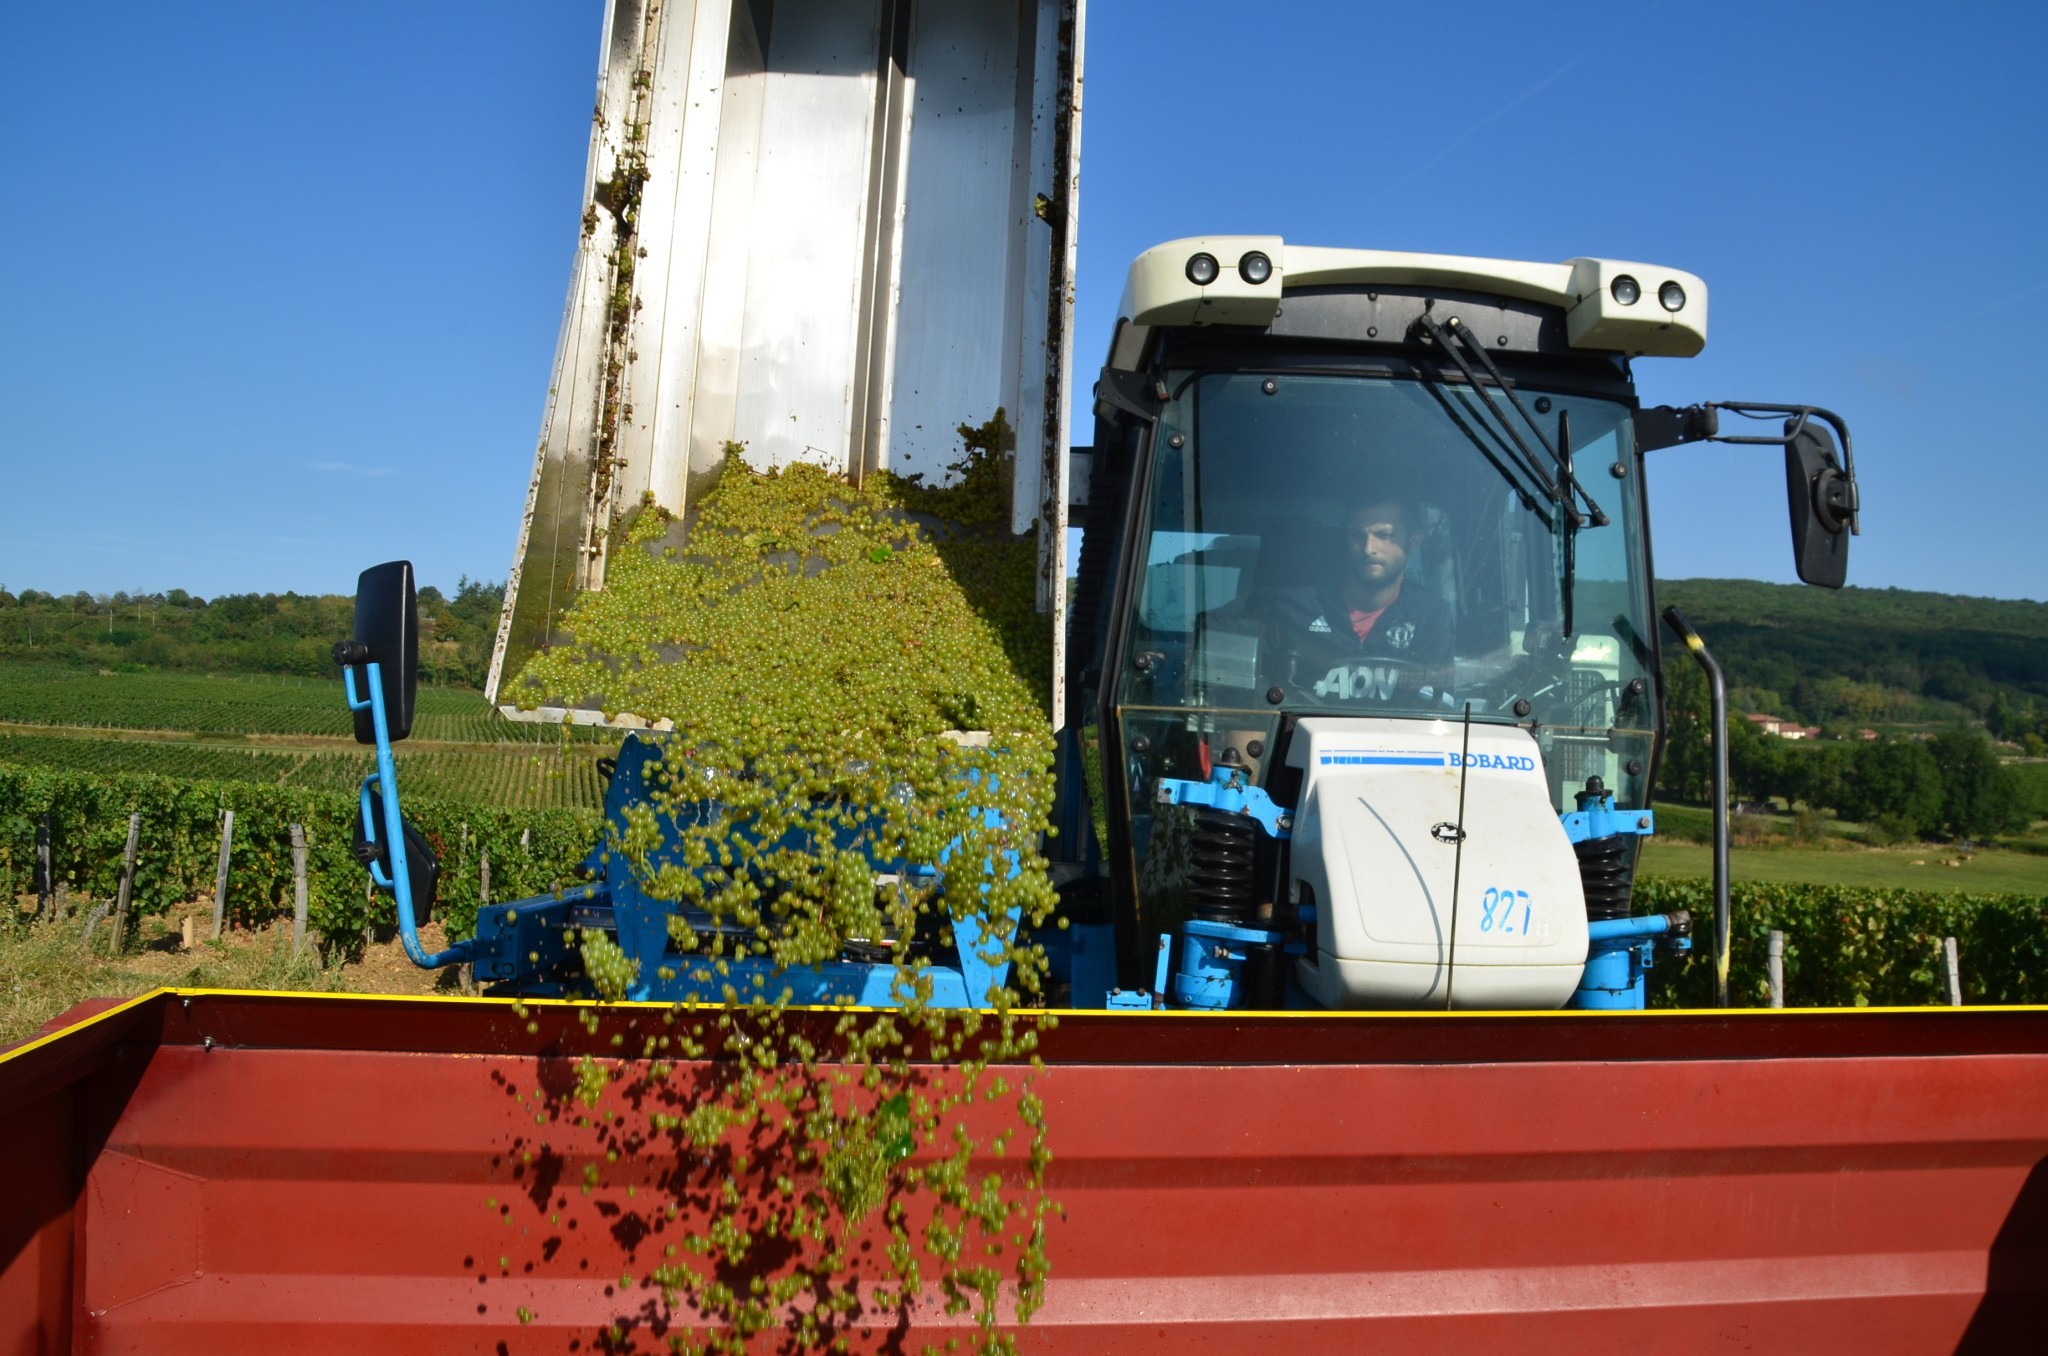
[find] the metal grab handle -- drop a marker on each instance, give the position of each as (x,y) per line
(1717,686)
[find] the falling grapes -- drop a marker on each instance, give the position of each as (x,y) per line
(855,675)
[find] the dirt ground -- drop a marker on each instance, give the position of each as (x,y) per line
(48,966)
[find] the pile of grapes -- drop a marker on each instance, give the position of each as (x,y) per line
(857,678)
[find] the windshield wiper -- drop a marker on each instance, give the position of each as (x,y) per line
(1560,490)
(1571,526)
(1518,451)
(1488,448)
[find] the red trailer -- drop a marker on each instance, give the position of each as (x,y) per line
(199,1171)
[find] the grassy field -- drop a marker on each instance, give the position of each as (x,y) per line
(1922,867)
(47,967)
(287,732)
(1765,850)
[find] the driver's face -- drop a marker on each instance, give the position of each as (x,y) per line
(1380,541)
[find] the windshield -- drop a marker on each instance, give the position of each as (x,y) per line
(1366,546)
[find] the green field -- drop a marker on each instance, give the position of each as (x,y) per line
(287,732)
(1921,867)
(35,694)
(1764,850)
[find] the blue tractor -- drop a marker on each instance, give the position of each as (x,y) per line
(1361,703)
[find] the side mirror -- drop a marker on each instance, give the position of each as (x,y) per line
(1822,501)
(387,633)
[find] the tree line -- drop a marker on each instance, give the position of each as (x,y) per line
(282,633)
(1948,784)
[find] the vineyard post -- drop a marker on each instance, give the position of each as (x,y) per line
(46,879)
(483,901)
(1955,972)
(298,887)
(220,873)
(127,890)
(1777,962)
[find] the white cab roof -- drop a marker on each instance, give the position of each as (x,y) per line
(1159,292)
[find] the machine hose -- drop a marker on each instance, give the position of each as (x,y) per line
(1607,869)
(1220,886)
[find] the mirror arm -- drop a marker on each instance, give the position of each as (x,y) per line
(1664,426)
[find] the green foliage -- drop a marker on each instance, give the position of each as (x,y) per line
(1979,797)
(1850,947)
(2030,783)
(821,648)
(532,852)
(49,694)
(1896,779)
(1687,769)
(247,633)
(1868,656)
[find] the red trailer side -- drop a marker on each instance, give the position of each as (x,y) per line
(199,1171)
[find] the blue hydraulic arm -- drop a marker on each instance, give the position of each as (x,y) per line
(398,879)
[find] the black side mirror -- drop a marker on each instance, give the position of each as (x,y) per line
(388,634)
(422,867)
(1822,500)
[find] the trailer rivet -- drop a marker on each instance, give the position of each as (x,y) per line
(1177,440)
(1521,706)
(1619,470)
(1372,331)
(1269,386)
(1275,696)
(1635,767)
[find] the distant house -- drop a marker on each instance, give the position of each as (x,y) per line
(1784,729)
(1866,736)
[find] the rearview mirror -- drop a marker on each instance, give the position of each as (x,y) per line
(388,634)
(1821,498)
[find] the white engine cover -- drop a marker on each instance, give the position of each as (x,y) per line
(1367,843)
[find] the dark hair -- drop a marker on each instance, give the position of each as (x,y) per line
(1411,512)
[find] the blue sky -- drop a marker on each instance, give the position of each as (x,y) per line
(283,281)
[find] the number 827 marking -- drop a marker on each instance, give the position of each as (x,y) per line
(1497,911)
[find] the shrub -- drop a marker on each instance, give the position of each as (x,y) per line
(1853,947)
(532,851)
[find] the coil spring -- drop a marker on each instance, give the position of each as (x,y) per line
(1220,884)
(1607,871)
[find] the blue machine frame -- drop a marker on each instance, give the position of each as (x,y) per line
(522,947)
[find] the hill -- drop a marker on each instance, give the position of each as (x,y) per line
(1872,657)
(268,633)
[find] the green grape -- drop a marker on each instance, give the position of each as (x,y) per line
(819,648)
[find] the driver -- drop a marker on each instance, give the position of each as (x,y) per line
(1370,611)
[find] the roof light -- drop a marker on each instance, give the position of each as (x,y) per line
(1626,290)
(1202,269)
(1255,268)
(1671,296)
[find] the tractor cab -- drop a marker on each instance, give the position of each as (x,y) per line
(1364,627)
